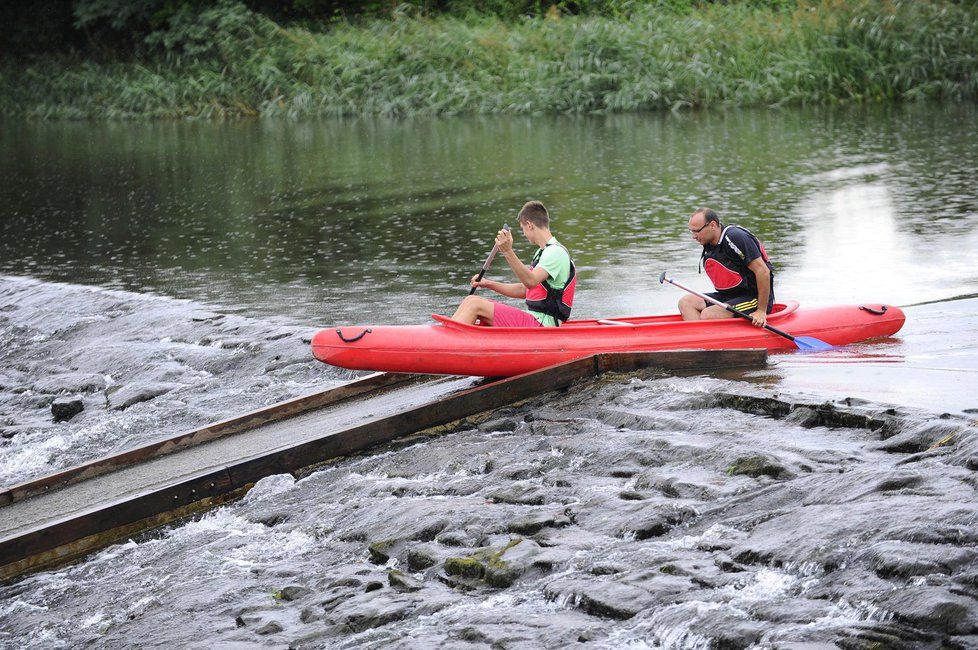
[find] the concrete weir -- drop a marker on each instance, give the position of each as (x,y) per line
(66,515)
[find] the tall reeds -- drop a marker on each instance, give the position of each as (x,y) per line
(232,62)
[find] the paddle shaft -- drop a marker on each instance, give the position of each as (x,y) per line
(485,267)
(663,278)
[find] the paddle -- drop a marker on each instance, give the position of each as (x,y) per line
(809,343)
(485,267)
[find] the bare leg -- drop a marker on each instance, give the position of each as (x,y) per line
(690,307)
(715,313)
(474,308)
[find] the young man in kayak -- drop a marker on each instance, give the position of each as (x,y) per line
(547,284)
(737,264)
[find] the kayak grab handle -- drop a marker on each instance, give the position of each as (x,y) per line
(878,312)
(356,338)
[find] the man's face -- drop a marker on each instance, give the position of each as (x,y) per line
(702,232)
(526,227)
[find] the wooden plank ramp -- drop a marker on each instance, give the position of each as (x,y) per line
(61,517)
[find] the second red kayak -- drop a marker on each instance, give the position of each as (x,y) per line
(450,348)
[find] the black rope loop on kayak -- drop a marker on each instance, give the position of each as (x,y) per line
(356,338)
(878,312)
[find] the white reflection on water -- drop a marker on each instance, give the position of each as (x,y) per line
(856,250)
(851,239)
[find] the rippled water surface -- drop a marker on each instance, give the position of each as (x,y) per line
(170,275)
(346,221)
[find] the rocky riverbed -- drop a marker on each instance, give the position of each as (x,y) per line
(630,511)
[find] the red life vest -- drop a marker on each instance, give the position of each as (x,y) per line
(726,264)
(548,299)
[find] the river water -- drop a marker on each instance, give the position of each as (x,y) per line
(170,274)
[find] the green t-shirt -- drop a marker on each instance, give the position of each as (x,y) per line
(555,260)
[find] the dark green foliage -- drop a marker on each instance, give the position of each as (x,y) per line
(225,60)
(127,25)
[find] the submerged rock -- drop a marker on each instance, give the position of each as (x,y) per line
(269,628)
(76,382)
(608,599)
(758,465)
(126,396)
(933,608)
(294,592)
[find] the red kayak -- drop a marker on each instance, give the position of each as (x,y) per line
(450,348)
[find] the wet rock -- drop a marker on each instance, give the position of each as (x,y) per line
(658,521)
(77,382)
(247,618)
(292,358)
(921,438)
(905,560)
(809,415)
(802,534)
(537,522)
(381,552)
(465,567)
(758,465)
(359,612)
(269,518)
(518,471)
(630,495)
(420,558)
(201,316)
(294,592)
(456,538)
(499,424)
(346,582)
(623,472)
(403,582)
(606,569)
(429,530)
(968,642)
(471,635)
(804,416)
(796,610)
(520,495)
(309,616)
(933,608)
(870,635)
(503,563)
(269,628)
(127,396)
(12,431)
(64,409)
(606,599)
(728,628)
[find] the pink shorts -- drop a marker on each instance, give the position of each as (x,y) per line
(506,316)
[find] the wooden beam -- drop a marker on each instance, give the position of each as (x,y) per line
(238,424)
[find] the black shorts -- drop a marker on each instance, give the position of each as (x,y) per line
(745,302)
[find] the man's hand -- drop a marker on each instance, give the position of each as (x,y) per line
(759,318)
(504,239)
(484,282)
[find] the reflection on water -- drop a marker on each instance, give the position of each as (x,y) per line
(373,220)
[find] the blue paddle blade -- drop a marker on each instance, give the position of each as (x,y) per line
(811,344)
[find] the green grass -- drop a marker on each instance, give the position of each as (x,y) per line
(235,63)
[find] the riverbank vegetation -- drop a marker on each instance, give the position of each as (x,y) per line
(230,59)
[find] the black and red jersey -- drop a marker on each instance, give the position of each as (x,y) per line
(726,264)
